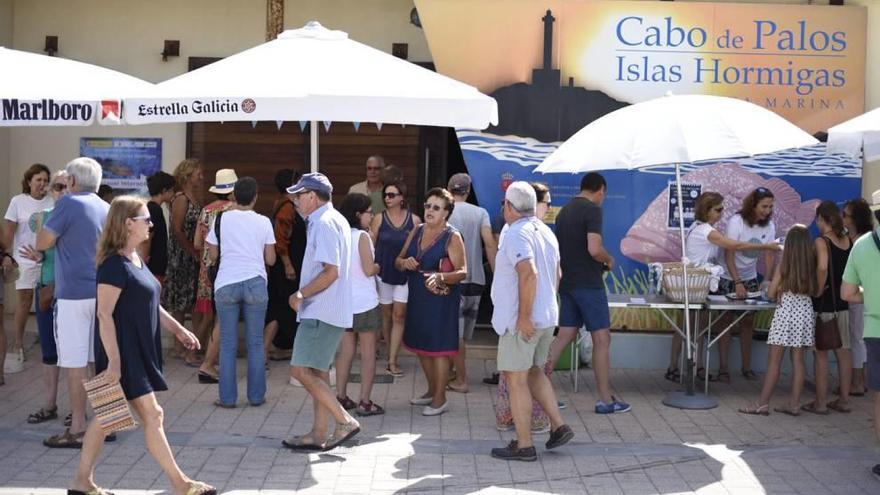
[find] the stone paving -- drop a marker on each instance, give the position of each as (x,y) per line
(653,449)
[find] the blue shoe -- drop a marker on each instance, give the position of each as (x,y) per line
(615,406)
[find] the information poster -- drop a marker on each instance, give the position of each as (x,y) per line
(126,162)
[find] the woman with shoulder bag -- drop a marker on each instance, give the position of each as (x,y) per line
(434,260)
(832,312)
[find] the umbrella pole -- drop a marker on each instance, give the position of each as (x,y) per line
(689,353)
(687,399)
(313,148)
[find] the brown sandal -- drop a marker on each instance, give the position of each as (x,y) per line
(66,440)
(810,407)
(787,411)
(43,415)
(342,433)
(302,442)
(838,406)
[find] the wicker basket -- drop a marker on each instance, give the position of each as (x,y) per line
(673,282)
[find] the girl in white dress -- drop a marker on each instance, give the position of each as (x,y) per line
(794,321)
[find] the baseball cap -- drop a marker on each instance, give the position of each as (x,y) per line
(875,200)
(460,183)
(315,181)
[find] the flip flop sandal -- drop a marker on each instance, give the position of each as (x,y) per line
(43,415)
(94,491)
(302,442)
(199,488)
(756,410)
(673,375)
(789,412)
(701,375)
(837,406)
(343,433)
(396,374)
(460,390)
(66,440)
(810,407)
(749,374)
(369,409)
(347,403)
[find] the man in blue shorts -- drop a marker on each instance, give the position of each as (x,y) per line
(582,289)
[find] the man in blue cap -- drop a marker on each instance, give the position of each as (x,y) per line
(324,306)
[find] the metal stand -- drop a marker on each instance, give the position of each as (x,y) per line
(686,399)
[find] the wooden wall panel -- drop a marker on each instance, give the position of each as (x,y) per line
(262,150)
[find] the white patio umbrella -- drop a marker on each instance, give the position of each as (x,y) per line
(38,90)
(317,75)
(673,130)
(857,134)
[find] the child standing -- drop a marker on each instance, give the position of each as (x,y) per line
(793,325)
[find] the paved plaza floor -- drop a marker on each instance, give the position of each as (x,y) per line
(653,449)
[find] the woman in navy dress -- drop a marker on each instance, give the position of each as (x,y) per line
(434,260)
(129,346)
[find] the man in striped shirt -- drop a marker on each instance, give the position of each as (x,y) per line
(324,306)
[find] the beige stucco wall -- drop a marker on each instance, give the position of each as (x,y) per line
(127,35)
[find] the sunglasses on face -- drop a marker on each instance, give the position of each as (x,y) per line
(59,187)
(429,206)
(145,218)
(391,195)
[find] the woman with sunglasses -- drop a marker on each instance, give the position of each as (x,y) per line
(434,260)
(702,245)
(130,346)
(44,296)
(389,232)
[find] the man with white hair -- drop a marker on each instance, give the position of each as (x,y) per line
(524,295)
(74,229)
(372,187)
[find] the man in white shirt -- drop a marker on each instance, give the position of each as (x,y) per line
(524,295)
(324,309)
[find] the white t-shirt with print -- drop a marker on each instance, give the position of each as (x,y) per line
(699,249)
(747,261)
(243,235)
(23,210)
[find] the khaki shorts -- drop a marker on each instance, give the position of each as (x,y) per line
(516,354)
(842,326)
(368,321)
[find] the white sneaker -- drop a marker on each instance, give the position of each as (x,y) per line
(431,411)
(421,401)
(295,382)
(14,363)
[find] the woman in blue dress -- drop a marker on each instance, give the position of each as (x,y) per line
(128,348)
(434,260)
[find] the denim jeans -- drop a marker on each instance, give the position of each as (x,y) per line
(251,297)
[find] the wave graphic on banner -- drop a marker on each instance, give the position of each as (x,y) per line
(812,161)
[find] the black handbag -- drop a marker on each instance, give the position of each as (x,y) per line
(827,332)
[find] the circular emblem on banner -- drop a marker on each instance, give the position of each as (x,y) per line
(248,105)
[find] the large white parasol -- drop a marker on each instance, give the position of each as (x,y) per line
(674,130)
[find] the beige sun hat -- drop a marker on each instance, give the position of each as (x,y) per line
(224,181)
